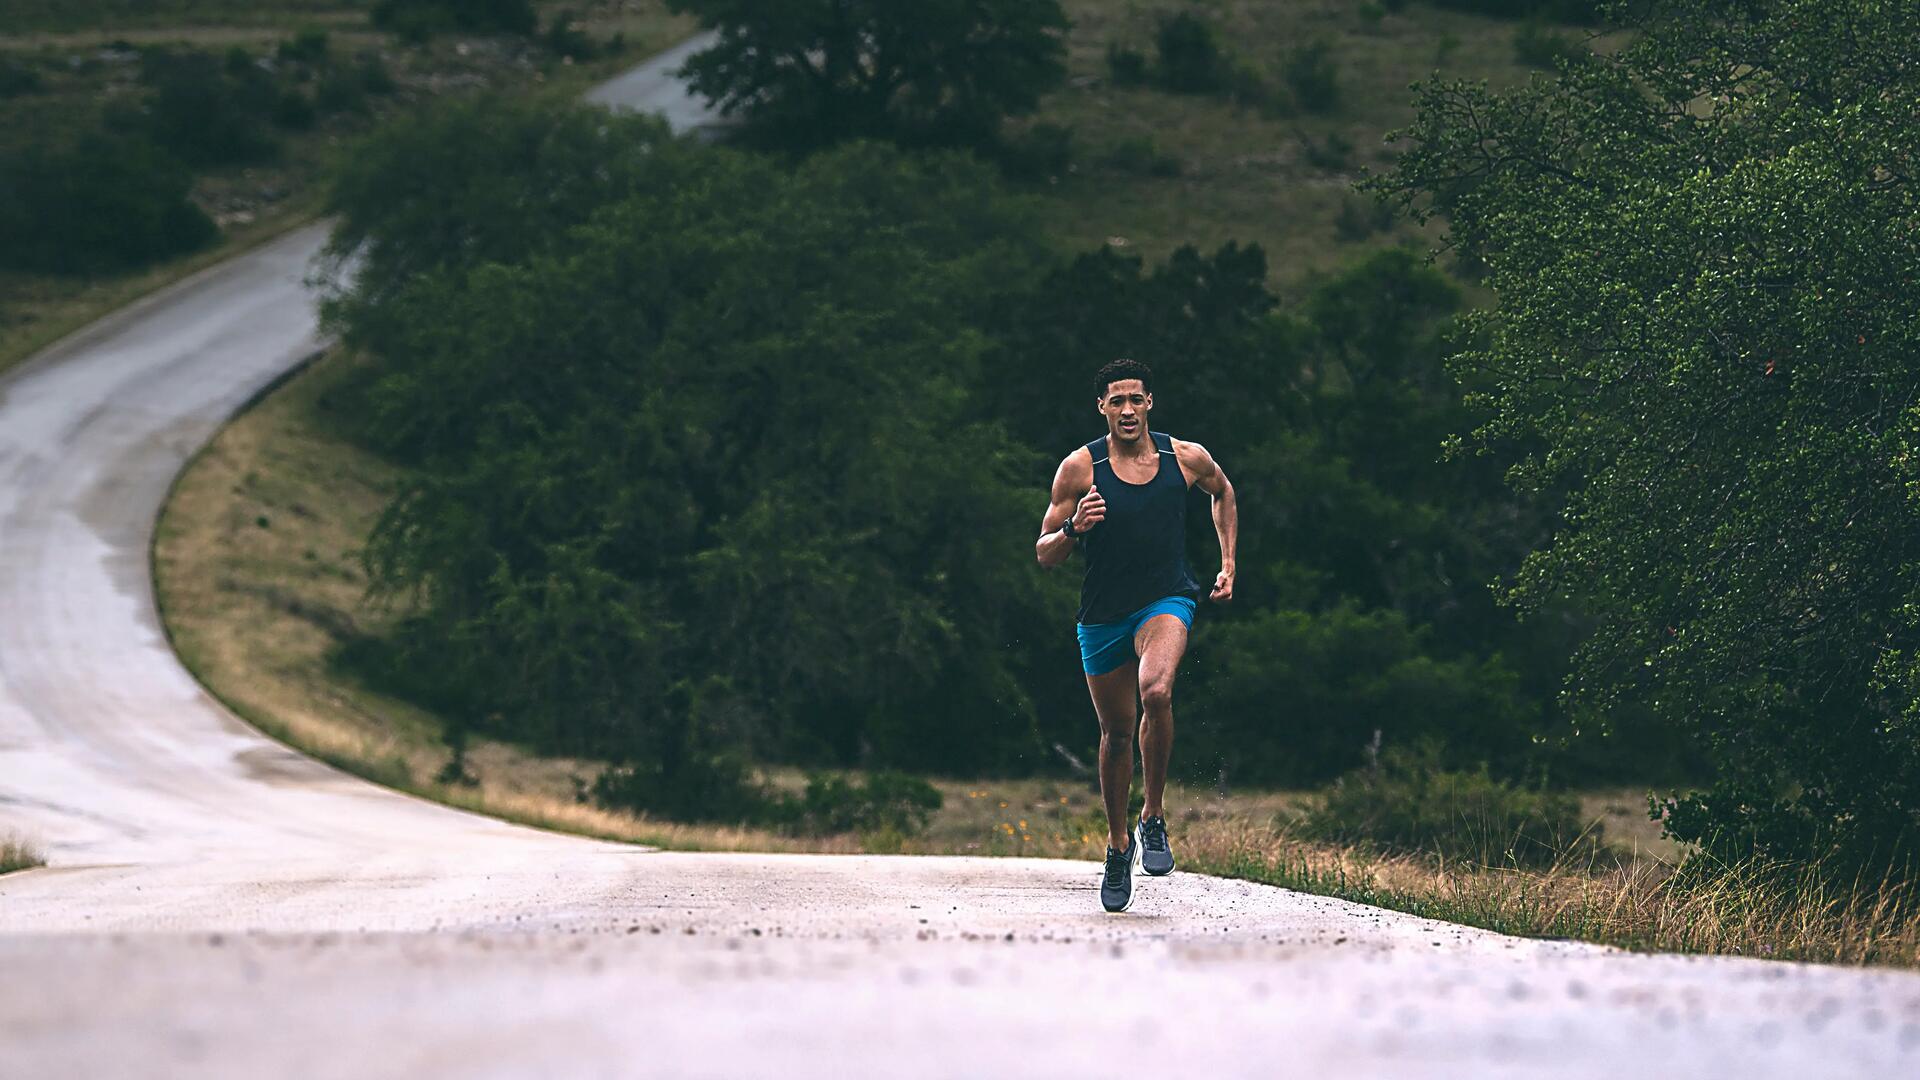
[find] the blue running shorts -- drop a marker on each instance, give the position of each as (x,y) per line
(1105,646)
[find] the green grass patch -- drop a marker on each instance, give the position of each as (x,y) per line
(1270,110)
(1406,802)
(17,853)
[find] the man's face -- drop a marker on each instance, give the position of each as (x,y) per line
(1126,407)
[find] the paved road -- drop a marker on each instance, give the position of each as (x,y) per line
(219,905)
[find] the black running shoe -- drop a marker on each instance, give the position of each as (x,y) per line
(1156,857)
(1116,884)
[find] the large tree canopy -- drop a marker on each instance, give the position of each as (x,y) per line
(1705,247)
(940,72)
(723,453)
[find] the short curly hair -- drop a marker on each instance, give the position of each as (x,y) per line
(1120,370)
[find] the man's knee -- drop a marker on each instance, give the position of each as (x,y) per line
(1157,697)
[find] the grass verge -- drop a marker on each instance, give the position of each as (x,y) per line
(17,853)
(1640,904)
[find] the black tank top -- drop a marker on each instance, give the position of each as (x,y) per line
(1138,554)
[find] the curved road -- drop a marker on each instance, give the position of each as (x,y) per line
(221,905)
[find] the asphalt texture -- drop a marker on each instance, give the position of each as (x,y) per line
(218,905)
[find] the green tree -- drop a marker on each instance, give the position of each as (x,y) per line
(1704,250)
(98,203)
(688,485)
(939,72)
(1364,559)
(206,112)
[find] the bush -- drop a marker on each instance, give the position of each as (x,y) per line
(718,788)
(306,47)
(1310,73)
(341,92)
(1037,153)
(417,20)
(1333,154)
(1360,218)
(1536,46)
(703,787)
(205,114)
(1190,57)
(805,74)
(565,39)
(103,202)
(293,110)
(17,78)
(374,77)
(1566,11)
(1127,67)
(1291,697)
(1406,802)
(888,802)
(1137,154)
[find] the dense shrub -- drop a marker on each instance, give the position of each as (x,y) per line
(416,20)
(1407,802)
(858,598)
(1138,154)
(1313,76)
(18,78)
(1689,316)
(713,787)
(1536,46)
(374,77)
(101,202)
(1330,680)
(718,787)
(1127,66)
(1360,218)
(206,112)
(1566,11)
(1190,60)
(1036,152)
(563,38)
(883,802)
(305,47)
(599,344)
(293,110)
(341,91)
(804,74)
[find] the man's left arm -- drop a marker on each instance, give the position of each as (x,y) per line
(1209,477)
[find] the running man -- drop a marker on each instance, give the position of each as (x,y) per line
(1122,499)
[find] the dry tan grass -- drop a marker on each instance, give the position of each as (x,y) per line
(19,853)
(1787,913)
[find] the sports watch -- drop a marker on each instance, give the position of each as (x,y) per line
(1067,528)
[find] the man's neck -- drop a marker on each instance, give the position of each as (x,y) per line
(1139,450)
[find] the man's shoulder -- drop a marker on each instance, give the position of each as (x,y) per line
(1187,449)
(1078,462)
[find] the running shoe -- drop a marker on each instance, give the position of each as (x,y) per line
(1156,857)
(1116,884)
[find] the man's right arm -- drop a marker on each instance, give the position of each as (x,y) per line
(1073,496)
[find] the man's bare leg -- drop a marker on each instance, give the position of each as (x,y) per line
(1160,641)
(1116,701)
